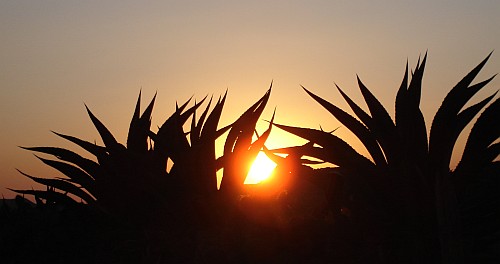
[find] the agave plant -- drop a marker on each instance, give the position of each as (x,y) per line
(132,181)
(406,200)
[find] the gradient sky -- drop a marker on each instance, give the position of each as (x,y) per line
(57,55)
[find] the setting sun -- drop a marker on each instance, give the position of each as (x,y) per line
(261,169)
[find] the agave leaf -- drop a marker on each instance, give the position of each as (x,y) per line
(137,110)
(470,91)
(174,122)
(179,118)
(443,123)
(290,151)
(454,102)
(293,150)
(278,159)
(210,127)
(192,133)
(196,127)
(183,117)
(360,113)
(382,125)
(89,166)
(75,174)
(467,80)
(459,96)
(273,157)
(342,154)
(63,186)
(401,100)
(52,196)
(181,108)
(384,141)
(242,129)
(355,126)
(98,151)
(255,147)
(416,139)
(134,137)
(248,128)
(377,110)
(223,130)
(108,139)
(466,116)
(146,115)
(415,87)
(337,158)
(139,127)
(201,121)
(409,119)
(171,140)
(484,133)
(311,162)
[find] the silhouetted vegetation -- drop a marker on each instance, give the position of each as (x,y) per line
(403,205)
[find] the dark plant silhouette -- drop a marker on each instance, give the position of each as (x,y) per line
(404,205)
(406,201)
(132,181)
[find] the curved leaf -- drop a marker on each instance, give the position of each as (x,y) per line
(240,135)
(410,122)
(340,153)
(75,174)
(196,127)
(108,139)
(209,130)
(89,166)
(364,135)
(446,116)
(98,151)
(484,132)
(63,186)
(137,139)
(382,124)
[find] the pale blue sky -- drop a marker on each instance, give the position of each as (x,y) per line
(56,55)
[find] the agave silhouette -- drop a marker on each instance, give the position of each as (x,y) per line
(406,200)
(132,181)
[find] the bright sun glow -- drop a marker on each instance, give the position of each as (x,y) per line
(261,169)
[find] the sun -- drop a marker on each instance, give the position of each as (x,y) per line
(261,169)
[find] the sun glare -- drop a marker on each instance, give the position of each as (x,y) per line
(261,169)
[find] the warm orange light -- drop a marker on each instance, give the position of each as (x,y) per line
(261,169)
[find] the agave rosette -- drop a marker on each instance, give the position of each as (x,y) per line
(408,184)
(131,178)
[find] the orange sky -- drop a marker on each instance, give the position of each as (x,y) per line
(57,55)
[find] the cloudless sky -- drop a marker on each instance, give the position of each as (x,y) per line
(57,55)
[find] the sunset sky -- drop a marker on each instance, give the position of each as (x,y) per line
(57,55)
